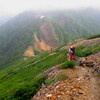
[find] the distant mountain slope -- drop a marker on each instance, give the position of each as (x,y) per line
(43,31)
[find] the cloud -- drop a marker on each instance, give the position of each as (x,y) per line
(17,6)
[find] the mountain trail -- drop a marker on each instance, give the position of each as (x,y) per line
(81,42)
(81,84)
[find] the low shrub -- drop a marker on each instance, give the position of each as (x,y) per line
(68,64)
(50,81)
(81,51)
(86,53)
(61,76)
(64,66)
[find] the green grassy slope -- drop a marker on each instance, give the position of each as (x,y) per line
(20,78)
(18,82)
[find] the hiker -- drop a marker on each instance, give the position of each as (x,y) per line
(72,53)
(51,49)
(58,49)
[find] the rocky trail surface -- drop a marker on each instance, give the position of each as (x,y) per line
(82,83)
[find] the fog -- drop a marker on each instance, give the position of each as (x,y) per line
(12,7)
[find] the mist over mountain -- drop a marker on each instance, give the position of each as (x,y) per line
(30,33)
(4,19)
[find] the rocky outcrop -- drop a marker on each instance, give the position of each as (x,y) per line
(92,61)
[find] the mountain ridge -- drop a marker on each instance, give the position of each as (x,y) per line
(55,28)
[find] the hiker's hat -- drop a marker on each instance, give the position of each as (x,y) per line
(72,47)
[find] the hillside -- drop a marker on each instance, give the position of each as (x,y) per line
(30,33)
(24,79)
(79,83)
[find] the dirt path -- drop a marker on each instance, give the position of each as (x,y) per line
(93,82)
(81,84)
(95,88)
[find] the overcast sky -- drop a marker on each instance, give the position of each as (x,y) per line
(12,7)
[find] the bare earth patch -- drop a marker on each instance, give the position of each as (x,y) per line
(41,45)
(29,52)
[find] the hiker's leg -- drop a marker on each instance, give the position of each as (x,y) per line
(70,57)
